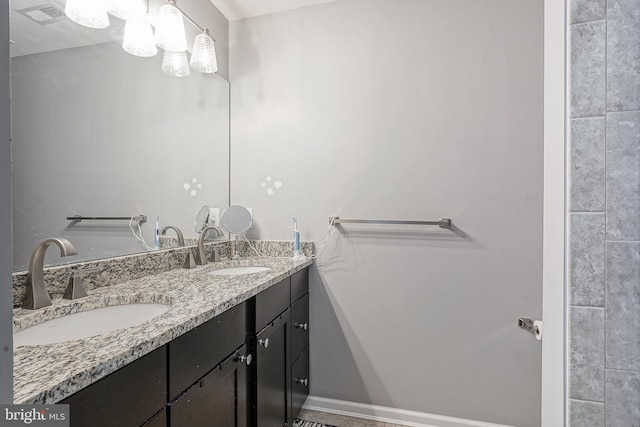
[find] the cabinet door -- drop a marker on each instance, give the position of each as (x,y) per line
(299,326)
(299,383)
(219,399)
(193,354)
(128,397)
(273,373)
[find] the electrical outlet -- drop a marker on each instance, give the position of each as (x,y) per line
(214,217)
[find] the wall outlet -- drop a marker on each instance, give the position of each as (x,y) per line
(214,217)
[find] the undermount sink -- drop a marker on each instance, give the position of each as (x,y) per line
(88,323)
(234,271)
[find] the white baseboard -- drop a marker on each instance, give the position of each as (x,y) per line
(389,415)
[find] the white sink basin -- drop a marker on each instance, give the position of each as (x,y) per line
(88,323)
(233,271)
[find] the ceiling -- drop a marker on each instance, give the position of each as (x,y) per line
(30,37)
(240,9)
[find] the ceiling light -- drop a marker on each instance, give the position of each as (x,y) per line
(90,13)
(203,55)
(127,9)
(138,38)
(175,64)
(170,28)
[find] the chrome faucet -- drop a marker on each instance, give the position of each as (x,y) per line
(178,232)
(201,256)
(36,295)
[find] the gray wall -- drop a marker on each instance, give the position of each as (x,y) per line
(6,341)
(605,214)
(98,132)
(404,109)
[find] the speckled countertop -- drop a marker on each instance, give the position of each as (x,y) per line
(49,373)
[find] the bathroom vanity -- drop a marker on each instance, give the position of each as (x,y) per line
(232,351)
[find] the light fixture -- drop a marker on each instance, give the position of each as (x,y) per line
(170,29)
(175,63)
(90,13)
(138,38)
(127,9)
(203,55)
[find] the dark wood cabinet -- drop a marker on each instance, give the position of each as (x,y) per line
(272,373)
(195,353)
(128,397)
(299,382)
(299,354)
(299,326)
(247,367)
(281,337)
(158,420)
(217,399)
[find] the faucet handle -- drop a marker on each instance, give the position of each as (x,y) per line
(189,262)
(75,289)
(215,256)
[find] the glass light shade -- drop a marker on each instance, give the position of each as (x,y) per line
(203,55)
(138,38)
(90,13)
(127,9)
(175,64)
(170,29)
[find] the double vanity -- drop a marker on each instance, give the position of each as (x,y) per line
(229,347)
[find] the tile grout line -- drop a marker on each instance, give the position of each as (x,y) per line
(606,194)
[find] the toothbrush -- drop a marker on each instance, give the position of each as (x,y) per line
(156,233)
(296,237)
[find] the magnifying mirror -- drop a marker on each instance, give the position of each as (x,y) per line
(236,220)
(202,219)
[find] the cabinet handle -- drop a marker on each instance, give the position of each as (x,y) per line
(264,342)
(303,381)
(245,359)
(304,325)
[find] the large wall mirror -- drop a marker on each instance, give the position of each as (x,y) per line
(98,132)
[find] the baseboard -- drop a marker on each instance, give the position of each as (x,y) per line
(389,415)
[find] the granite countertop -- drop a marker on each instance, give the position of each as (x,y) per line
(49,373)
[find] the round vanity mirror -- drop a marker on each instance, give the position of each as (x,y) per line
(236,219)
(202,219)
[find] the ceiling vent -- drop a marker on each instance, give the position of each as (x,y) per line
(44,14)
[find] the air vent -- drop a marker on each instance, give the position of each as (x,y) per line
(44,14)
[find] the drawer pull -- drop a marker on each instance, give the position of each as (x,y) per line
(304,326)
(244,359)
(264,342)
(303,381)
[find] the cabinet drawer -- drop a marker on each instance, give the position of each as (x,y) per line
(299,284)
(218,399)
(193,354)
(299,326)
(271,302)
(127,397)
(299,383)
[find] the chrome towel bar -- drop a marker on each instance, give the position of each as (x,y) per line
(441,222)
(78,218)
